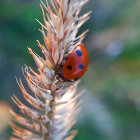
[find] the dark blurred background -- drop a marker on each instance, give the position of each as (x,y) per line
(111,103)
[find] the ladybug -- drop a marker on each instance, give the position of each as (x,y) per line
(76,64)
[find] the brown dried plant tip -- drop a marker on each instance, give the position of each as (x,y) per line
(55,104)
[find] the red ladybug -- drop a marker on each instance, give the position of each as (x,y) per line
(76,64)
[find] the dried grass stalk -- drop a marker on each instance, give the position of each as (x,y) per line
(55,102)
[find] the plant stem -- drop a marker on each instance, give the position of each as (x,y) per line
(49,114)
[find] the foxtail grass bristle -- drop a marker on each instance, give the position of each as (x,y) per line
(55,102)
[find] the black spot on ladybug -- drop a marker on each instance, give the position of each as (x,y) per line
(69,67)
(81,67)
(79,53)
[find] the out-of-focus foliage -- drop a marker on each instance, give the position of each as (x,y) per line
(111,105)
(5,117)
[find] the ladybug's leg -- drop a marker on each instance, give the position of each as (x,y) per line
(76,79)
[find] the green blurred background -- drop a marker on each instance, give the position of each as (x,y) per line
(111,103)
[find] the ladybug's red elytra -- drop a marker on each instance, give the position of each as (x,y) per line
(76,64)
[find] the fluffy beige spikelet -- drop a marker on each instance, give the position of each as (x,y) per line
(55,102)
